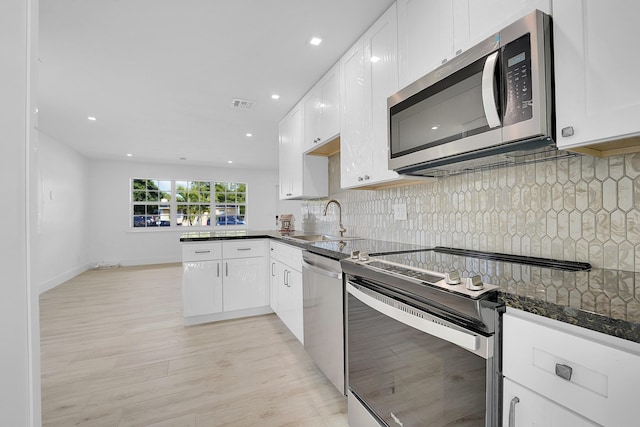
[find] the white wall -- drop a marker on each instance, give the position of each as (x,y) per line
(19,332)
(61,193)
(111,238)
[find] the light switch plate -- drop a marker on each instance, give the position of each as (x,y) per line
(400,212)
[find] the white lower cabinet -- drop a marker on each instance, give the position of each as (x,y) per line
(201,288)
(525,408)
(286,286)
(224,280)
(563,375)
(245,284)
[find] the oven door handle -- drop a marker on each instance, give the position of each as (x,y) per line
(466,340)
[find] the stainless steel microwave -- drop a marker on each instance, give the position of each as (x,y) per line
(491,105)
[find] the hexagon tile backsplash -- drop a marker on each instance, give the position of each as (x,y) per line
(580,208)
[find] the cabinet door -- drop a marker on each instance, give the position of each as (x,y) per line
(321,110)
(284,294)
(355,153)
(425,37)
(275,269)
(246,283)
(312,116)
(330,104)
(529,409)
(201,288)
(593,39)
(294,285)
(290,154)
(476,20)
(381,81)
(289,296)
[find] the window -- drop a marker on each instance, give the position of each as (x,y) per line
(231,203)
(194,203)
(169,203)
(151,198)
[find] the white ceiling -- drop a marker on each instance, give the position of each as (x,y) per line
(160,75)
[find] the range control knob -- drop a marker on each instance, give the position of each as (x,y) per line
(474,283)
(364,256)
(355,254)
(452,278)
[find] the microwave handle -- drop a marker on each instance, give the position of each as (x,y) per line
(488,94)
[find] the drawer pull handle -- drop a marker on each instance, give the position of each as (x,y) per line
(564,371)
(203,252)
(512,411)
(243,249)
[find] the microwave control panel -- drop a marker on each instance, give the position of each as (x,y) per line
(516,68)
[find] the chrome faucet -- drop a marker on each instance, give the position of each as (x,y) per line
(342,229)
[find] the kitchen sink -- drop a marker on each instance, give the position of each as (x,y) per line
(322,238)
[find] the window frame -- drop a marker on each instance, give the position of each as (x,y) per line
(173,205)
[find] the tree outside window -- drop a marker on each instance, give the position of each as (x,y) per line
(194,203)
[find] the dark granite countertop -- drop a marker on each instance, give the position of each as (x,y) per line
(606,301)
(601,300)
(332,249)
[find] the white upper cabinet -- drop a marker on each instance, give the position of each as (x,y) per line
(355,155)
(301,176)
(425,37)
(478,19)
(289,150)
(594,103)
(369,76)
(381,81)
(322,110)
(430,32)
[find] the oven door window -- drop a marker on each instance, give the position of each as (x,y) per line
(411,378)
(449,110)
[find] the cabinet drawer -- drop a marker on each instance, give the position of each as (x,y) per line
(204,251)
(601,377)
(244,248)
(289,255)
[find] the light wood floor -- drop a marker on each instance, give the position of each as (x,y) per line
(115,353)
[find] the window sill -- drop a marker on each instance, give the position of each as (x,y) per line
(182,230)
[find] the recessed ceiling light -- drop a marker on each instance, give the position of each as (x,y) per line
(93,119)
(129,155)
(435,127)
(315,41)
(275,96)
(374,59)
(229,161)
(249,135)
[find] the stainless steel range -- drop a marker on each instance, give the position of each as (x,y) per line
(423,337)
(421,345)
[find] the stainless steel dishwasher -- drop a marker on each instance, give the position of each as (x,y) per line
(323,315)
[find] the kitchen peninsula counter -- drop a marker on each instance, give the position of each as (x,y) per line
(602,300)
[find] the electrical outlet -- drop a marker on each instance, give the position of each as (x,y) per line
(400,212)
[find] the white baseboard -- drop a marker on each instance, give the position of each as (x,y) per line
(149,261)
(227,315)
(61,278)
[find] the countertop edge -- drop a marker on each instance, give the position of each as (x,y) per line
(596,322)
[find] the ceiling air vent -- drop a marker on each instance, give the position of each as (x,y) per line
(242,104)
